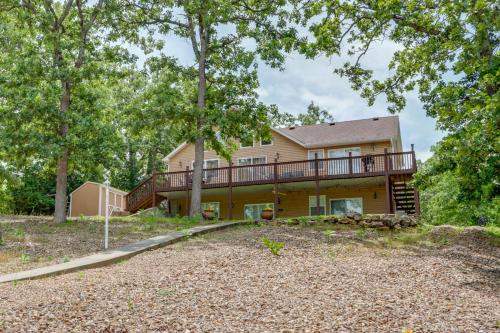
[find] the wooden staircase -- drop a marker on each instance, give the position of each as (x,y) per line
(141,197)
(404,196)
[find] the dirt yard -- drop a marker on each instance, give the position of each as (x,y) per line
(443,280)
(30,242)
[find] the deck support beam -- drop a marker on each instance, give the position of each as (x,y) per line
(154,190)
(187,190)
(276,189)
(388,187)
(230,192)
(316,175)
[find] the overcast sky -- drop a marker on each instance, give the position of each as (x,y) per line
(305,80)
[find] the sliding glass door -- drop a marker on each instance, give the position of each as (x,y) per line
(251,173)
(341,166)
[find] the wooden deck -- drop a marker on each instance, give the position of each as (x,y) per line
(387,164)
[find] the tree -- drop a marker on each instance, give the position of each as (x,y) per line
(448,51)
(52,64)
(314,115)
(144,101)
(223,103)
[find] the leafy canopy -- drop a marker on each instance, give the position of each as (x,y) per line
(448,51)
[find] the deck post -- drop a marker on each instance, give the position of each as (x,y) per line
(413,158)
(316,175)
(388,190)
(154,189)
(276,193)
(350,162)
(230,188)
(187,190)
(416,196)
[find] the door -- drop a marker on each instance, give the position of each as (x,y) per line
(209,175)
(356,161)
(341,166)
(251,173)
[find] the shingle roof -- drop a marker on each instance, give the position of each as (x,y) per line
(344,132)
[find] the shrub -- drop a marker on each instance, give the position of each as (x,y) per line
(273,246)
(329,234)
(360,233)
(25,258)
(19,233)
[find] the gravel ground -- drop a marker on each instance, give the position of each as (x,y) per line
(228,282)
(31,242)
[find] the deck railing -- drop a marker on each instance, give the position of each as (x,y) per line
(278,172)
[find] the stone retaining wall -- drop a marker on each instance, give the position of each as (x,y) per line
(390,221)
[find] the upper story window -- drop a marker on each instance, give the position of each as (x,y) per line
(250,142)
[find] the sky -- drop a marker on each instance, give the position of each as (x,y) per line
(304,80)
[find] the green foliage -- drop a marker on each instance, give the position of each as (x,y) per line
(360,233)
(19,233)
(493,230)
(304,220)
(443,202)
(314,115)
(273,246)
(448,52)
(329,234)
(219,100)
(25,258)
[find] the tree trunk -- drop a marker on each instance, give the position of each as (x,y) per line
(132,170)
(61,188)
(195,207)
(62,162)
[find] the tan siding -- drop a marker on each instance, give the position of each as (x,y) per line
(297,203)
(85,200)
(282,147)
(112,196)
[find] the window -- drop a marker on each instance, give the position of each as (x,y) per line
(252,211)
(311,155)
(214,205)
(246,142)
(344,206)
(208,164)
(312,205)
(266,141)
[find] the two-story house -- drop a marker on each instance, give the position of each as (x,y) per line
(340,167)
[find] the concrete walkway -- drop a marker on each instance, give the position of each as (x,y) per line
(112,256)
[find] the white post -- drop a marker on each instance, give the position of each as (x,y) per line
(106,226)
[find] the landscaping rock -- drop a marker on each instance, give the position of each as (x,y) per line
(396,221)
(376,224)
